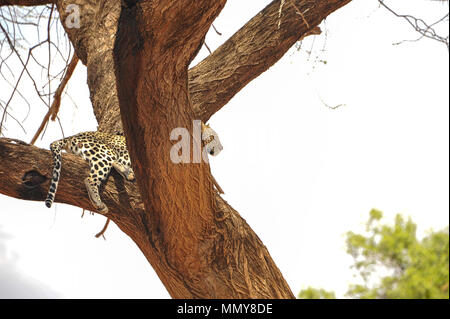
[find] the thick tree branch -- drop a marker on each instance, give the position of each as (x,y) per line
(26,170)
(214,81)
(426,30)
(198,245)
(25,173)
(93,41)
(252,50)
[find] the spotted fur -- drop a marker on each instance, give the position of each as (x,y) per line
(210,140)
(103,152)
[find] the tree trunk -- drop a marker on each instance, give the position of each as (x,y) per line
(137,59)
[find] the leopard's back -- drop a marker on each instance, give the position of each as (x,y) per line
(103,151)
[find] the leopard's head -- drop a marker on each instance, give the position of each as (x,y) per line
(210,140)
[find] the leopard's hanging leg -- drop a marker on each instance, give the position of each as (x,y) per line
(98,173)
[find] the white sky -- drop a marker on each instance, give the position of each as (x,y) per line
(300,173)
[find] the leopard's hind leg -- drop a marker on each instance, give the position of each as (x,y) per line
(98,173)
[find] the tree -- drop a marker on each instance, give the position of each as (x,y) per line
(417,269)
(137,57)
(424,29)
(314,293)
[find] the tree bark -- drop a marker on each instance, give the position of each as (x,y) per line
(212,83)
(240,263)
(137,59)
(252,50)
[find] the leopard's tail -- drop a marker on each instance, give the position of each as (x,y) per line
(56,148)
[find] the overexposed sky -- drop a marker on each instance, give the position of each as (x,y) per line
(300,173)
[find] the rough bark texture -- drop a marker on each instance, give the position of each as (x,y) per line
(252,50)
(213,82)
(237,252)
(198,245)
(93,43)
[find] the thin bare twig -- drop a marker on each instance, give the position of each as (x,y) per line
(424,29)
(12,35)
(219,189)
(102,232)
(207,47)
(216,30)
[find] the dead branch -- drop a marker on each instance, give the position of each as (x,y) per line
(102,232)
(218,255)
(54,108)
(215,29)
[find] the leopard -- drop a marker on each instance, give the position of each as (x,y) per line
(104,151)
(210,140)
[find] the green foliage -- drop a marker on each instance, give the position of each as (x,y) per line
(313,293)
(394,264)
